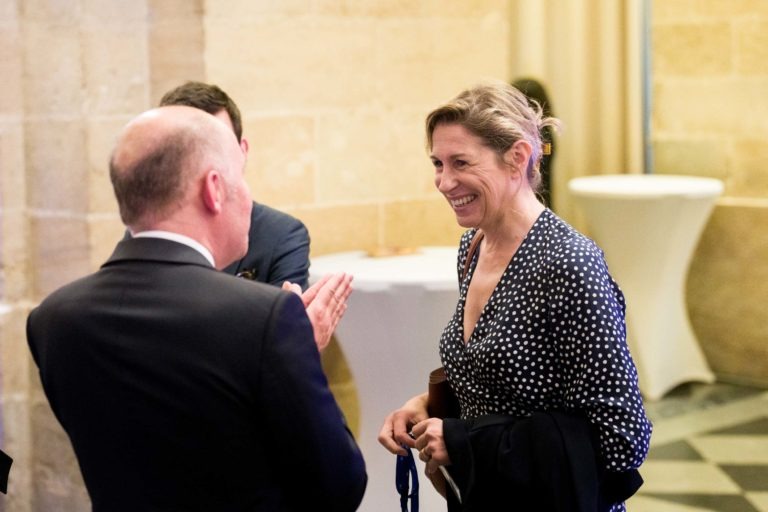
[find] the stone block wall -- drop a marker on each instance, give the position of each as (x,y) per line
(710,118)
(334,98)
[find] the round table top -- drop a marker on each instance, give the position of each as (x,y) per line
(645,186)
(430,267)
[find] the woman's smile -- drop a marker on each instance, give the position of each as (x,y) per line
(463,201)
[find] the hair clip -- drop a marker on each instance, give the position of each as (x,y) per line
(546,148)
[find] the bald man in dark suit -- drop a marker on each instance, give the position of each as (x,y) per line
(183,388)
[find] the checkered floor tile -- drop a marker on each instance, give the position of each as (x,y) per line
(713,460)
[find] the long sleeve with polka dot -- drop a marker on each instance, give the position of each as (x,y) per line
(551,338)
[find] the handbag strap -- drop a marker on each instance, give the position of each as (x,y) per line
(476,239)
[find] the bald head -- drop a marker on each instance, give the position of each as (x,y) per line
(158,155)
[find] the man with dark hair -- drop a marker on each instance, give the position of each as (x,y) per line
(208,97)
(278,246)
(183,388)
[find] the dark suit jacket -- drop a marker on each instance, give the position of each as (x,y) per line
(183,388)
(278,248)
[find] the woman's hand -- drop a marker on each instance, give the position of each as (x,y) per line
(430,443)
(397,427)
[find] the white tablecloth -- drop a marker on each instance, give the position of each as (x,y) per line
(648,226)
(390,337)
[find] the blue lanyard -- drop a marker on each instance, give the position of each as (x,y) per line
(407,466)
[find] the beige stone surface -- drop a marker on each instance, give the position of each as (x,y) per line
(340,228)
(9,12)
(17,441)
(463,10)
(727,288)
(103,12)
(12,171)
(406,8)
(380,9)
(181,9)
(250,11)
(406,67)
(750,168)
(421,222)
(60,252)
(101,135)
(53,70)
(11,101)
(714,106)
(14,353)
(176,44)
(282,159)
(56,165)
(467,53)
(371,154)
(701,156)
(58,484)
(114,69)
(176,49)
(287,65)
(695,10)
(50,13)
(752,47)
(15,255)
(698,49)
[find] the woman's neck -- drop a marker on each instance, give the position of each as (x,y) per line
(513,225)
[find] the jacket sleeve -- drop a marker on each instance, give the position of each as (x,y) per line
(316,451)
(290,259)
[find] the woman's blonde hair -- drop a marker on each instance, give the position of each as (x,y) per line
(500,115)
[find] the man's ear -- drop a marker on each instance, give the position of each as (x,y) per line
(213,191)
(244,145)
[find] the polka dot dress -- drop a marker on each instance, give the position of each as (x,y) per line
(551,337)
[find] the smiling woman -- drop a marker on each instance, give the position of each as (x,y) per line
(474,180)
(536,346)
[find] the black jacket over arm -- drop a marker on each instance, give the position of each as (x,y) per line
(542,463)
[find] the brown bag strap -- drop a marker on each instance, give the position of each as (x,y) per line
(471,252)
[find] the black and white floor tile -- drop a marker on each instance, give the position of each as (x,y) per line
(709,452)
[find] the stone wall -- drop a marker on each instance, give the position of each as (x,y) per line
(710,118)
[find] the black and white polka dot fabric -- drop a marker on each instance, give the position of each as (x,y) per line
(551,337)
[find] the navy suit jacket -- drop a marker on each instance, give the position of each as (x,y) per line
(278,249)
(183,388)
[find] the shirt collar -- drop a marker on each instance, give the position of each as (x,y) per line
(182,239)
